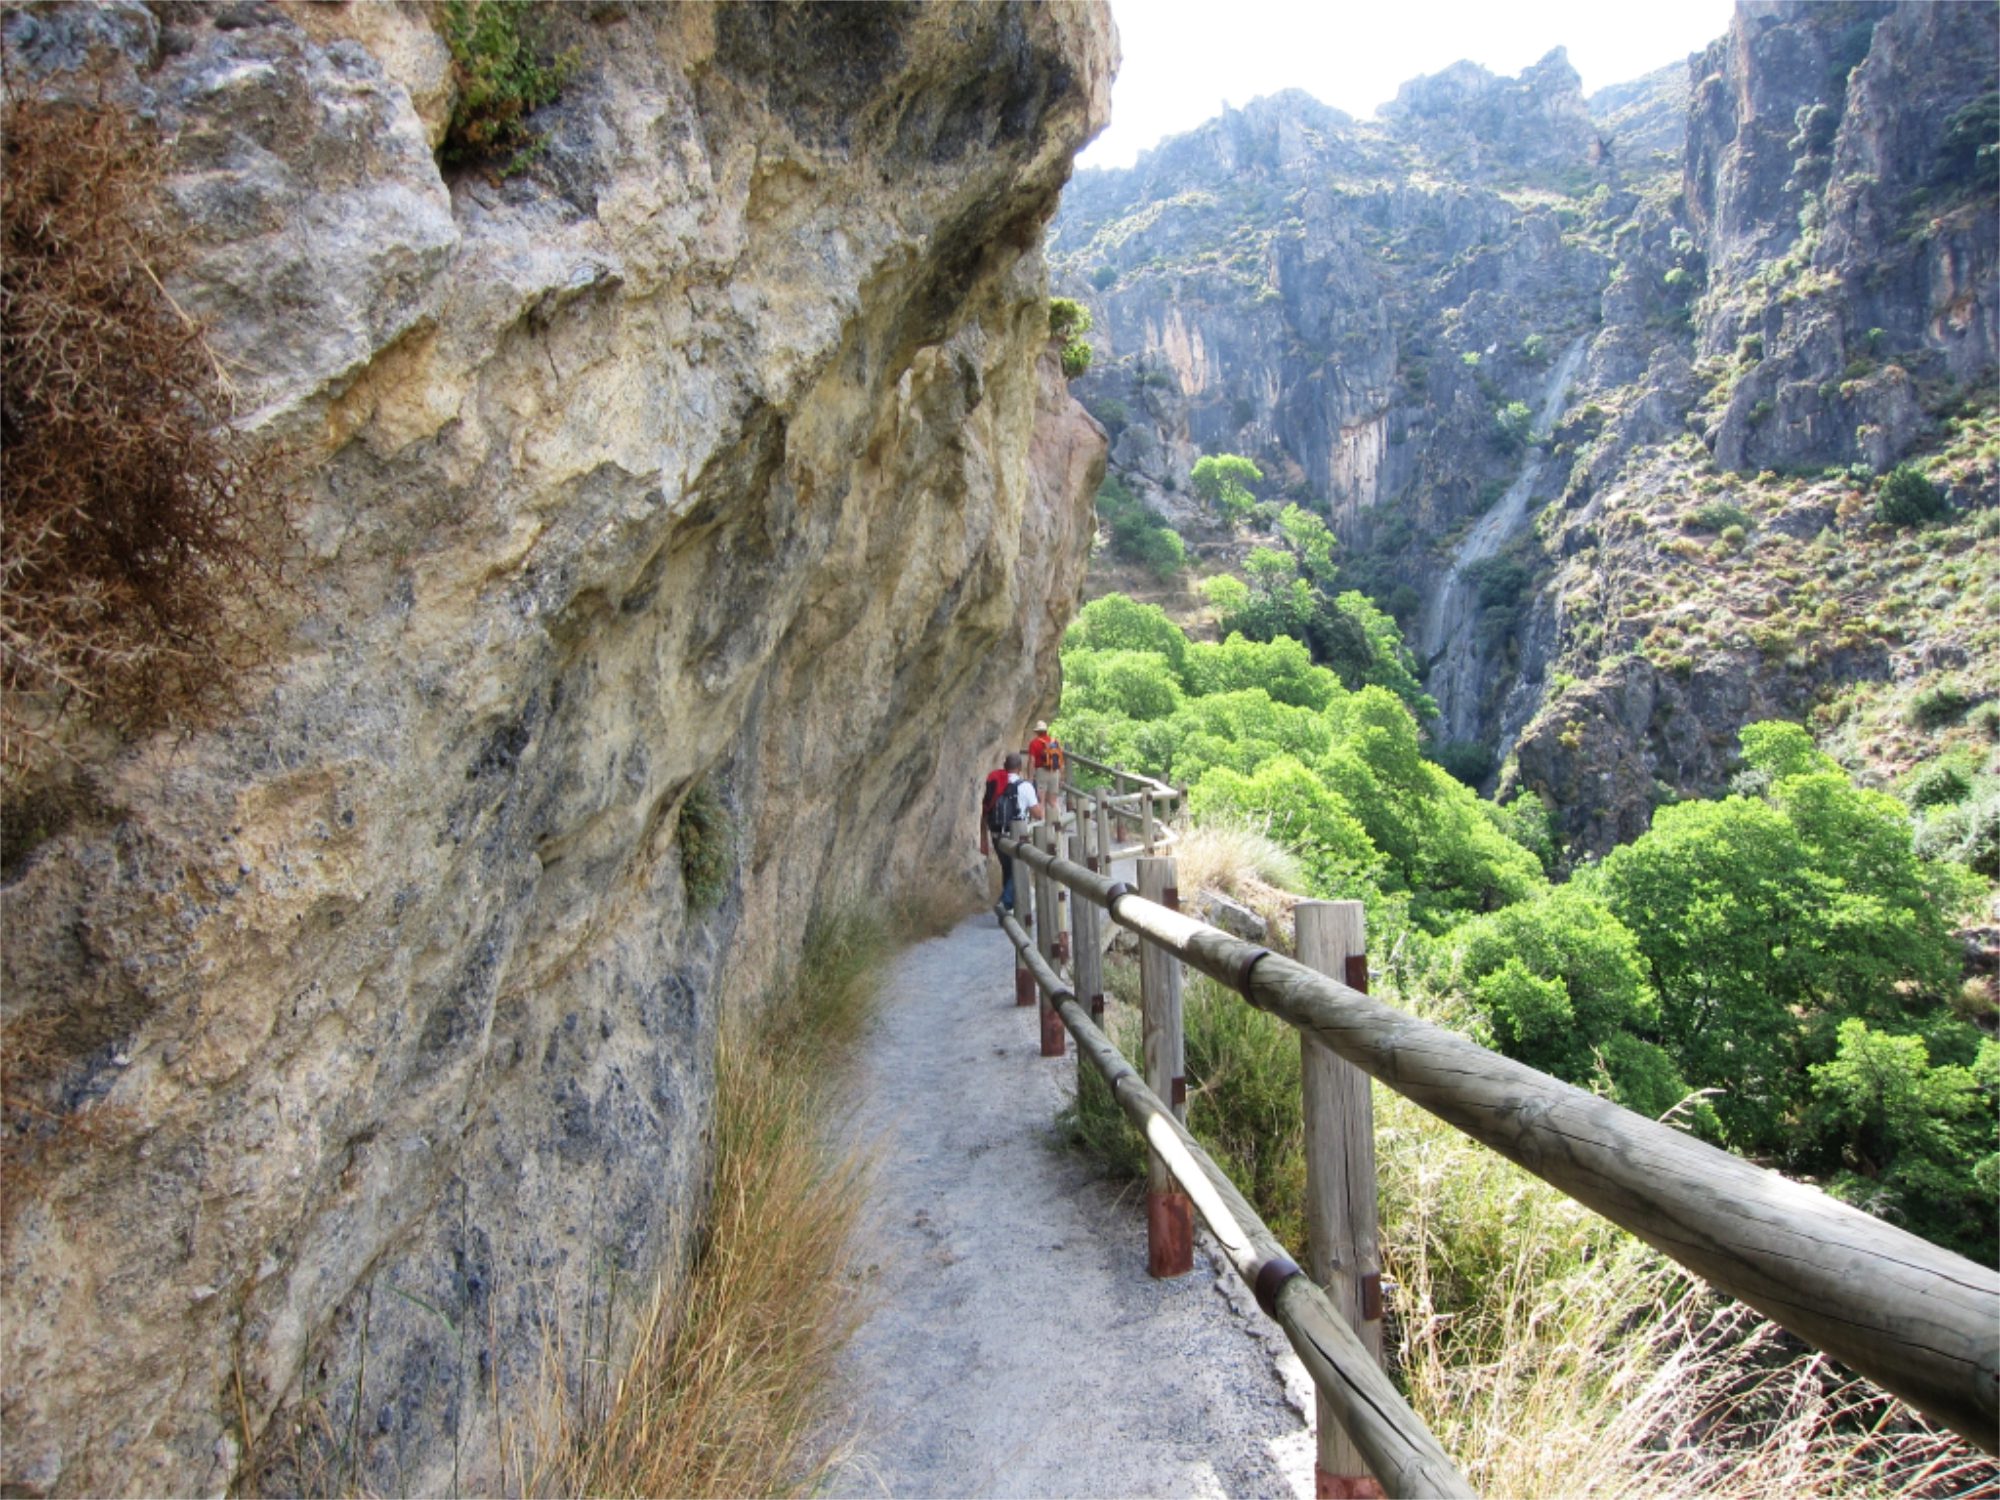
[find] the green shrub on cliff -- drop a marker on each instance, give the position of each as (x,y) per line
(707,838)
(1069,321)
(1223,480)
(1906,498)
(1513,425)
(500,76)
(1138,532)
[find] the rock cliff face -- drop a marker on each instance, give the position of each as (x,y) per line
(1351,303)
(1834,203)
(722,449)
(1290,282)
(1781,260)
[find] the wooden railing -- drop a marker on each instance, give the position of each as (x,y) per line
(1918,1320)
(1137,807)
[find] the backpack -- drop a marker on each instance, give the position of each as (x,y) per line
(1004,810)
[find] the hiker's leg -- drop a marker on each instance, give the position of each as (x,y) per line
(1006,882)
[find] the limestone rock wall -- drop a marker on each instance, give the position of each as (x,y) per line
(1294,285)
(1832,140)
(723,447)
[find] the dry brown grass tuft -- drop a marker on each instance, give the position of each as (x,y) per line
(727,1387)
(1554,1354)
(1241,860)
(134,526)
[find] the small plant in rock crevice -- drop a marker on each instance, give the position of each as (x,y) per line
(706,835)
(1069,321)
(500,75)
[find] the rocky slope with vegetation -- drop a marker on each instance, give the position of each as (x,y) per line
(686,498)
(1638,460)
(1780,259)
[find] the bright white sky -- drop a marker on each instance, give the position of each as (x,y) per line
(1183,58)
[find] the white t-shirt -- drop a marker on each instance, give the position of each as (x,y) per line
(1027,799)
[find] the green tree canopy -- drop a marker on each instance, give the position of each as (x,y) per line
(1297,809)
(1436,841)
(1283,668)
(1224,480)
(1270,570)
(1311,542)
(1137,684)
(1119,623)
(1561,980)
(1767,921)
(1915,1137)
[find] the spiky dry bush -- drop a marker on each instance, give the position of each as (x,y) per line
(134,526)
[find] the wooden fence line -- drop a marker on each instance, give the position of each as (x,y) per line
(1394,1441)
(1918,1320)
(1119,775)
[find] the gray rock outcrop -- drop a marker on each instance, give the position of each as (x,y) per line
(723,449)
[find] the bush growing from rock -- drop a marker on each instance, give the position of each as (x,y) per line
(707,837)
(133,523)
(1069,321)
(499,76)
(1718,516)
(1906,498)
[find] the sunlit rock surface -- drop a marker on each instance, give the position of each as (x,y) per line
(725,446)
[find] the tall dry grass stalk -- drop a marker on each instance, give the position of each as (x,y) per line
(1554,1354)
(726,1389)
(1550,1352)
(1240,859)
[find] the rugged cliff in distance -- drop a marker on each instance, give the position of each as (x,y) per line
(1828,276)
(721,450)
(1780,262)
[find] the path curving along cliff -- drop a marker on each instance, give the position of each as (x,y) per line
(1014,1344)
(1449,634)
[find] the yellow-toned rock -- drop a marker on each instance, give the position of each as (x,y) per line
(723,447)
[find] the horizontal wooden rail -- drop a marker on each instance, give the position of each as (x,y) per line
(1139,780)
(1153,806)
(1399,1448)
(1916,1319)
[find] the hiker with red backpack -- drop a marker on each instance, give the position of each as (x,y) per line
(1009,799)
(1045,750)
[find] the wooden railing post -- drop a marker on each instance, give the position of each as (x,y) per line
(1086,939)
(1059,903)
(1169,1215)
(1025,884)
(1049,939)
(1101,815)
(1146,818)
(1342,1250)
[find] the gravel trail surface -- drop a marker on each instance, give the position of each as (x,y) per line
(1014,1344)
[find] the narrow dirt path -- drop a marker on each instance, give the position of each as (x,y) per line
(1014,1343)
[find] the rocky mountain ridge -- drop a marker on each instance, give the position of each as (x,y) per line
(377,1021)
(1781,257)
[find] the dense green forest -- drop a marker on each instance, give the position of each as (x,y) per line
(1773,969)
